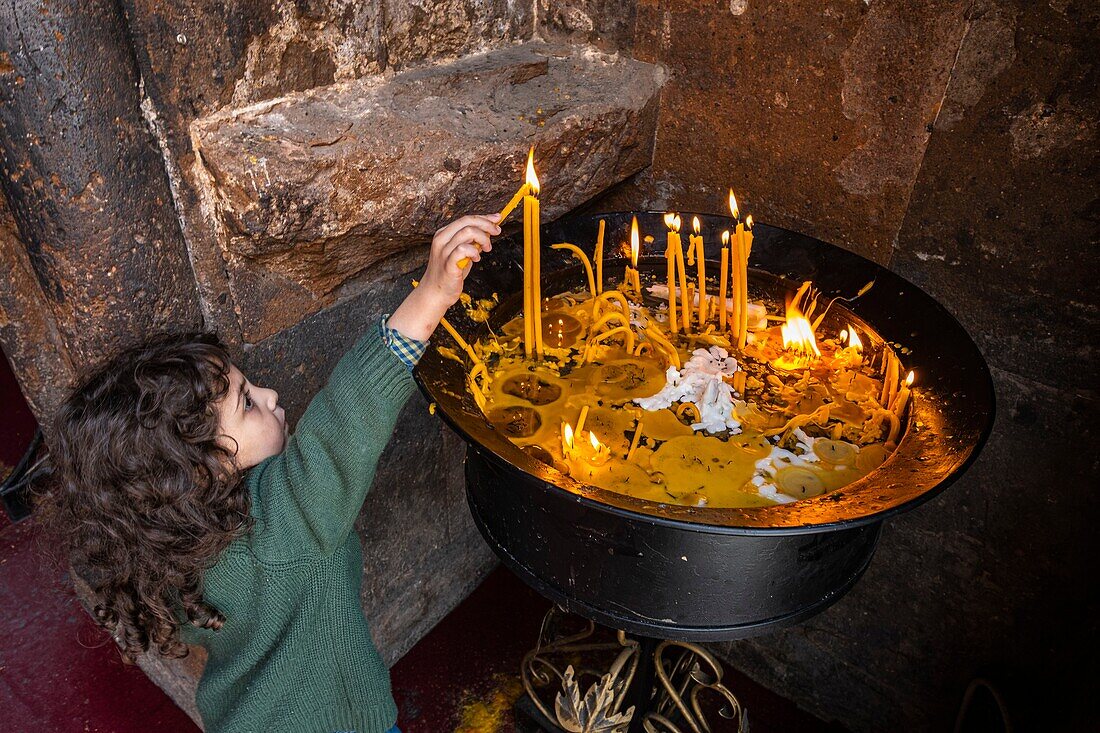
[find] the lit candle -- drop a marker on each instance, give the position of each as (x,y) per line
(599,257)
(681,273)
(672,222)
(631,276)
(567,440)
(600,452)
(531,263)
(746,245)
(701,278)
(738,271)
(528,317)
(902,399)
(853,352)
(723,281)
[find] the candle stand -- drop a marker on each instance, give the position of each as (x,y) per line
(692,574)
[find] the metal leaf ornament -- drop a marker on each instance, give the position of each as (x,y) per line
(592,713)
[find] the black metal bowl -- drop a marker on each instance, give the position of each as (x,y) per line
(702,573)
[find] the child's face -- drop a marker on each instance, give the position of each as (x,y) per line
(251,421)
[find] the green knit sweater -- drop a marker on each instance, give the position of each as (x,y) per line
(295,653)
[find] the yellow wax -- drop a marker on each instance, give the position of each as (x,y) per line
(536,279)
(697,245)
(723,286)
(599,258)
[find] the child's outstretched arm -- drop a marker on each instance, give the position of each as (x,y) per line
(312,492)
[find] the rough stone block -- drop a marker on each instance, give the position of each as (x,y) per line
(313,189)
(816,113)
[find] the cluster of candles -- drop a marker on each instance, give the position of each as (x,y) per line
(734,269)
(690,307)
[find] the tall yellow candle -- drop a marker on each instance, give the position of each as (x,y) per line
(536,236)
(746,246)
(633,282)
(599,257)
(681,273)
(741,299)
(528,266)
(723,281)
(735,274)
(532,288)
(701,274)
(673,240)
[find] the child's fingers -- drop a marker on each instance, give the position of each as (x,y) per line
(475,220)
(466,251)
(469,235)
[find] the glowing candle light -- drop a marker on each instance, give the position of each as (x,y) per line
(673,223)
(900,402)
(600,452)
(723,281)
(567,440)
(701,273)
(633,282)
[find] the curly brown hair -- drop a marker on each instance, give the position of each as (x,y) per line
(142,493)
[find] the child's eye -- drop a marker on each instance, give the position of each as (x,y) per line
(247,401)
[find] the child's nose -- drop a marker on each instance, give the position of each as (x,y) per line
(273,399)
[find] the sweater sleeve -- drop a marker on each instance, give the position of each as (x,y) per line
(308,496)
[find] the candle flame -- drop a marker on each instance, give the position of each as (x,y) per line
(748,222)
(532,179)
(853,338)
(596,444)
(733,205)
(909,379)
(798,339)
(567,435)
(672,221)
(725,238)
(695,224)
(634,241)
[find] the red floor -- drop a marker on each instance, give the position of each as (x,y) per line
(59,673)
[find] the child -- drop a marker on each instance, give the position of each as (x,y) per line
(197,520)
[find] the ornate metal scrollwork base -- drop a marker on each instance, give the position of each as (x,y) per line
(581,677)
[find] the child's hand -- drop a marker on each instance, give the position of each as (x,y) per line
(465,238)
(462,239)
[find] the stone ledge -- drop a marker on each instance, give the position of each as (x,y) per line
(311,190)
